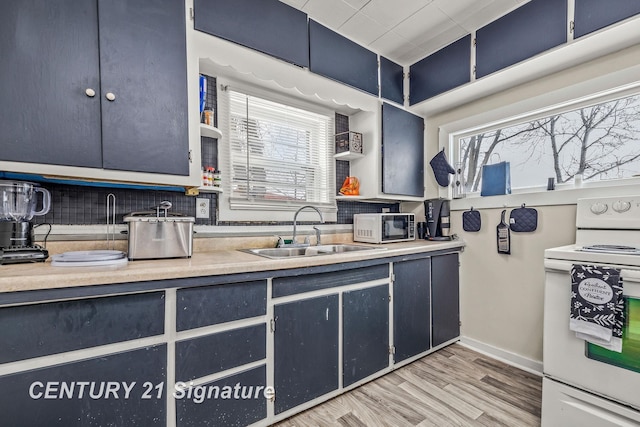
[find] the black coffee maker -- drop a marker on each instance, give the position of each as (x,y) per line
(18,201)
(437,213)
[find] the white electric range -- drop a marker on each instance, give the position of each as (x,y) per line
(585,385)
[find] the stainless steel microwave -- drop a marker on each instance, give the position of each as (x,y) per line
(383,227)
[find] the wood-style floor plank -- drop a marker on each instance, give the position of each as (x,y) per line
(454,386)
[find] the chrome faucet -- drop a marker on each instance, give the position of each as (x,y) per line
(295,223)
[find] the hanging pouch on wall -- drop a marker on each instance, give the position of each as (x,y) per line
(523,220)
(496,179)
(441,169)
(503,235)
(471,220)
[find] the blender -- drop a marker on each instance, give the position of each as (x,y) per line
(18,203)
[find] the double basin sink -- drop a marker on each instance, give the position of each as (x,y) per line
(307,251)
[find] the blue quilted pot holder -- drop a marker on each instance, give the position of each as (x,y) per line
(523,220)
(471,220)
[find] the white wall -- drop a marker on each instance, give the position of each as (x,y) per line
(502,295)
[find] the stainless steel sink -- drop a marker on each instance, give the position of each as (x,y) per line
(306,251)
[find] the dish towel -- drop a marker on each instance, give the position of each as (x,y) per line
(597,305)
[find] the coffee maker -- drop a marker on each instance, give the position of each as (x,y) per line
(438,220)
(18,202)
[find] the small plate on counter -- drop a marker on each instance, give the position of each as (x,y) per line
(89,258)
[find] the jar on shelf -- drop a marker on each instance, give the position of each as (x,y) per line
(208,117)
(205,176)
(217,179)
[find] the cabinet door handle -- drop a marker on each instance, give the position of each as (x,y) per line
(110,96)
(90,92)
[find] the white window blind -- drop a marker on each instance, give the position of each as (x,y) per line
(280,157)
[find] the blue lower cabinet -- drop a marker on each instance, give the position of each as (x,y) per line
(306,350)
(411,308)
(36,330)
(236,400)
(210,354)
(121,389)
(445,298)
(365,335)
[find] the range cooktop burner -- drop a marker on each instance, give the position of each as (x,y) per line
(611,249)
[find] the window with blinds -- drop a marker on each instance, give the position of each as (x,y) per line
(280,157)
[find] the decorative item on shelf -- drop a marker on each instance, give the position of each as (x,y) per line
(205,180)
(349,142)
(208,117)
(208,173)
(350,187)
(203,92)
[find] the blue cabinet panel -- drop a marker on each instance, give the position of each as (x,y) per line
(439,72)
(268,26)
(216,405)
(402,152)
(334,56)
(56,327)
(365,336)
(145,128)
(201,356)
(411,308)
(211,305)
(592,15)
(391,81)
(527,31)
(90,392)
(283,286)
(445,298)
(305,350)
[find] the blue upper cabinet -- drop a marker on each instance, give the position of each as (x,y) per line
(527,31)
(268,26)
(439,72)
(334,56)
(592,15)
(391,81)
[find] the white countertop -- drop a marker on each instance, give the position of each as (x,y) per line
(37,276)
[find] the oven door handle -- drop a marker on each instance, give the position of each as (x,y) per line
(630,278)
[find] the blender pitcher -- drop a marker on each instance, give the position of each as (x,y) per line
(18,200)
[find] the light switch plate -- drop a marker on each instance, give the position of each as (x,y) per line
(202,208)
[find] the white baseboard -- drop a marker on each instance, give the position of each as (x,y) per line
(520,362)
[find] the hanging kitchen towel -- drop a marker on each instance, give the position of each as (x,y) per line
(523,219)
(496,179)
(597,305)
(441,169)
(471,220)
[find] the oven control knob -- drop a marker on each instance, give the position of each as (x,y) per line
(621,206)
(599,208)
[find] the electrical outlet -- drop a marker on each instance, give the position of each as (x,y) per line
(202,208)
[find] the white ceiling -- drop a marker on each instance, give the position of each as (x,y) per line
(404,31)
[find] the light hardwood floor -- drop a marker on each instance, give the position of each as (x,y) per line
(454,386)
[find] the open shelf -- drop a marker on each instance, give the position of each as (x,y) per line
(348,155)
(208,189)
(210,131)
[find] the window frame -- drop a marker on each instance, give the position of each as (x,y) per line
(271,213)
(450,134)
